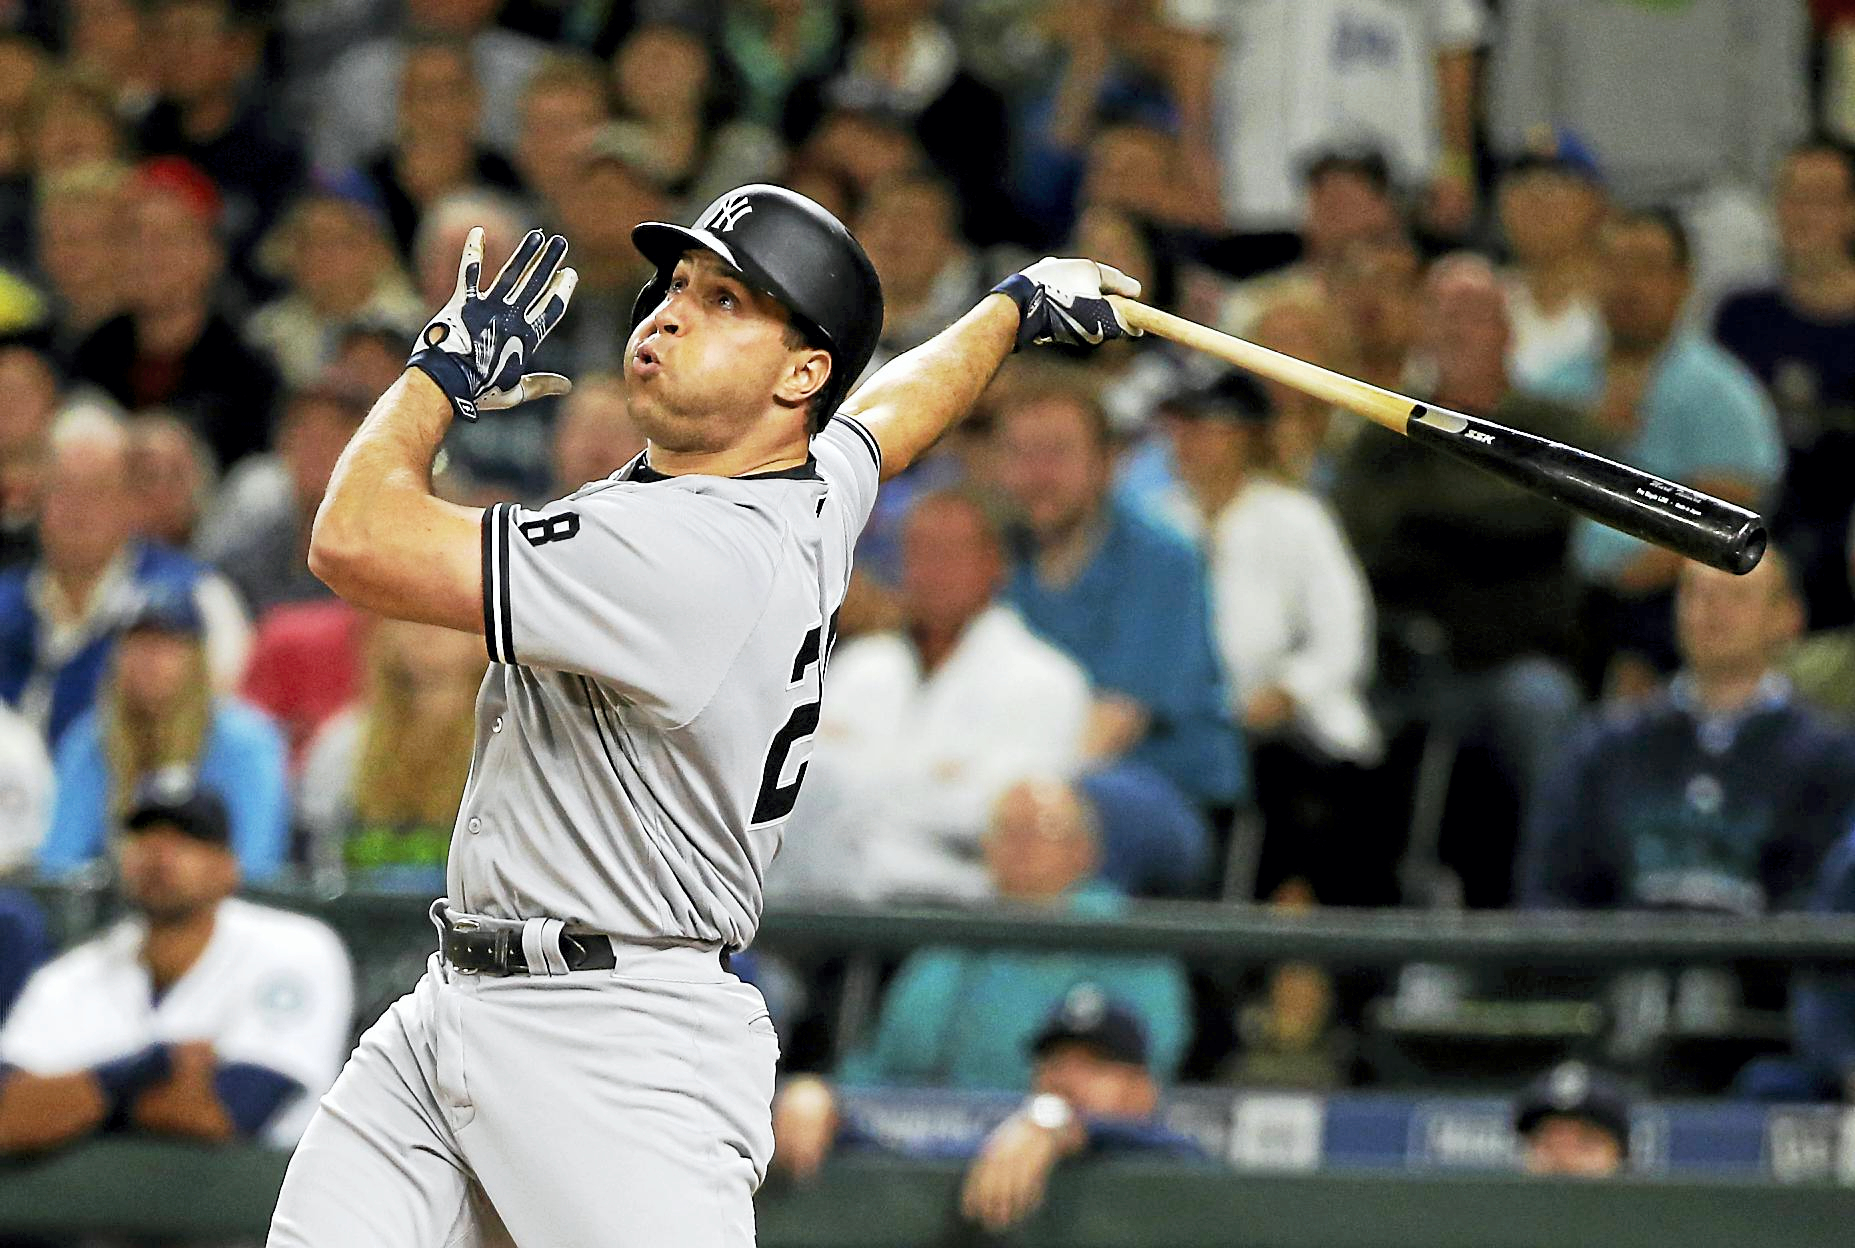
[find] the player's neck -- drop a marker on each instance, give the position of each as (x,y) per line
(735,461)
(173,945)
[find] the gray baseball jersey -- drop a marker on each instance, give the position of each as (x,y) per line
(658,648)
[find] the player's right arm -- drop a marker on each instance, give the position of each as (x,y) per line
(920,394)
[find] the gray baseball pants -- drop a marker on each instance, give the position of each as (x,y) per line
(623,1108)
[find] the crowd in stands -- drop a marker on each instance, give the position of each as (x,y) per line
(1139,628)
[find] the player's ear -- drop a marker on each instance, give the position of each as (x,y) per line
(806,372)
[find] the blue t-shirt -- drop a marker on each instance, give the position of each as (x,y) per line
(244,761)
(1702,414)
(1138,620)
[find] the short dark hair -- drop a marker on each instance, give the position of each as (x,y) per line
(1366,163)
(993,512)
(1666,220)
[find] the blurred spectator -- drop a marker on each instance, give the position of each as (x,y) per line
(59,615)
(199,1015)
(850,151)
(1375,286)
(595,437)
(1137,165)
(770,46)
(925,728)
(903,63)
(340,266)
(31,389)
(964,1018)
(1721,795)
(1399,77)
(1091,1092)
(157,709)
(258,535)
(1447,548)
(82,235)
(25,797)
(174,478)
(171,349)
(1552,207)
(355,114)
(305,666)
(71,123)
(670,98)
(25,944)
(1822,667)
(612,190)
(1798,337)
(1704,131)
(22,61)
(1305,440)
(1154,843)
(435,151)
(1574,1121)
(1669,401)
(909,224)
(562,107)
(1290,1038)
(212,112)
(1296,637)
(370,357)
(1122,595)
(107,40)
(1822,1008)
(382,780)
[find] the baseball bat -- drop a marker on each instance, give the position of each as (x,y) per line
(1667,513)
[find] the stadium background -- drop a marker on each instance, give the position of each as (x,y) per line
(221,222)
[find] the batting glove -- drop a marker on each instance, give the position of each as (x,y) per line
(478,344)
(1062,302)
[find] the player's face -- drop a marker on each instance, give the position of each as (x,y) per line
(1052,464)
(713,359)
(168,875)
(1572,1146)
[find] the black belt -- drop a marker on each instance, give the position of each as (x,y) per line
(479,945)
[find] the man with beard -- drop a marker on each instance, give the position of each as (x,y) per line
(199,1015)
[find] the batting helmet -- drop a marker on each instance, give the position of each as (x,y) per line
(794,250)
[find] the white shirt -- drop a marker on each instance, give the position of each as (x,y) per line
(25,790)
(271,989)
(1290,607)
(1300,76)
(1542,341)
(908,764)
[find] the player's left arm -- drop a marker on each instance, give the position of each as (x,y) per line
(381,539)
(916,397)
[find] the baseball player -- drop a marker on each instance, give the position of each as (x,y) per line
(578,1066)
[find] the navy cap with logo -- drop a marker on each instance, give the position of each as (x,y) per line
(1087,1016)
(174,797)
(1575,1090)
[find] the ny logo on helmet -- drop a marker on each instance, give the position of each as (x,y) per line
(727,214)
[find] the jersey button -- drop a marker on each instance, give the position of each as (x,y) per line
(475,824)
(497,726)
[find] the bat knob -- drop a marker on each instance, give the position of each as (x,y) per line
(1746,547)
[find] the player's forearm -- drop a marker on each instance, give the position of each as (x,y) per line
(379,528)
(919,395)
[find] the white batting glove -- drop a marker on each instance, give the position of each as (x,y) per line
(1062,302)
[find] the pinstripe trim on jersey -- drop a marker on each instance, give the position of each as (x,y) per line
(869,439)
(496,631)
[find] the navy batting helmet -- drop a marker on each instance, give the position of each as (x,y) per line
(794,250)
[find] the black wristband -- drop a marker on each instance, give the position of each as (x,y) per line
(1022,291)
(450,375)
(124,1078)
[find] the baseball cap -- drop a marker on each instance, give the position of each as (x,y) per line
(1575,1090)
(1558,150)
(1233,396)
(165,610)
(182,179)
(172,795)
(1088,1016)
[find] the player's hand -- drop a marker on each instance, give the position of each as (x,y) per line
(478,345)
(1064,302)
(1007,1183)
(804,1124)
